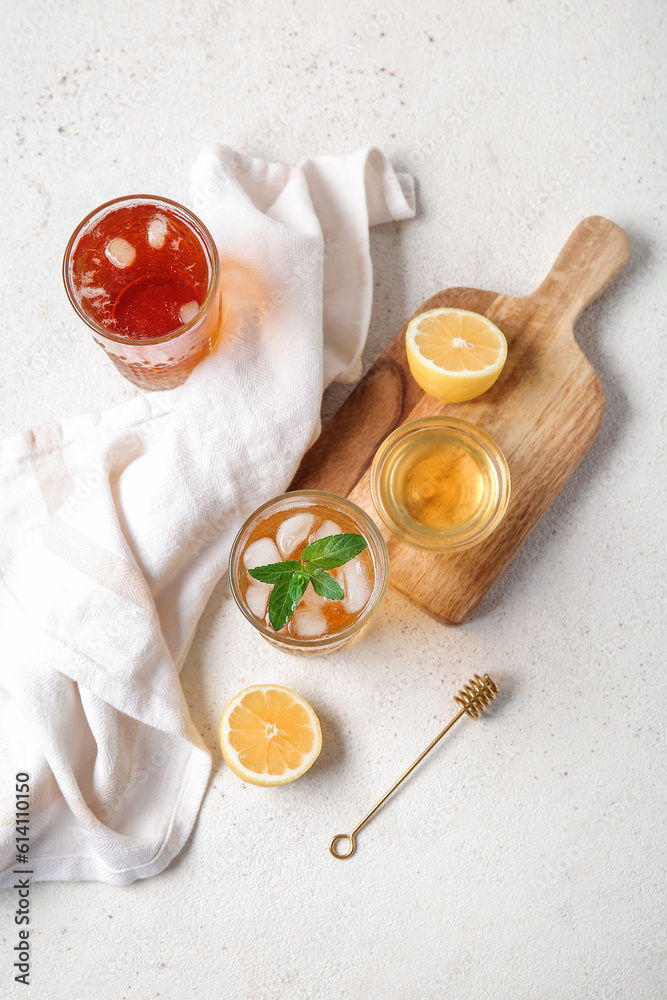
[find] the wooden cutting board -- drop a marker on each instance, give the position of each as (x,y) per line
(544,411)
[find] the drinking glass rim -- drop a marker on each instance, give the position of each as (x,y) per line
(455,542)
(320,641)
(212,285)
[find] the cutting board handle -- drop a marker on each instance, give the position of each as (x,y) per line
(592,257)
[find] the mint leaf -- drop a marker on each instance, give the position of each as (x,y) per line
(291,578)
(281,604)
(297,586)
(324,585)
(334,550)
(275,572)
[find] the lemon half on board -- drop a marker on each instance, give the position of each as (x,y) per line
(453,354)
(269,735)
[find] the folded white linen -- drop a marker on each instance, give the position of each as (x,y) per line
(118,524)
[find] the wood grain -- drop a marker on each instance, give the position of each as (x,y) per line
(544,411)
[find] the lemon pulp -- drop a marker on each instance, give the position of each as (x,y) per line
(453,354)
(269,735)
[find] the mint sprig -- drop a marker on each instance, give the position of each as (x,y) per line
(291,578)
(276,572)
(324,585)
(332,551)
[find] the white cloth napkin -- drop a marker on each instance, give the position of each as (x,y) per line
(117,525)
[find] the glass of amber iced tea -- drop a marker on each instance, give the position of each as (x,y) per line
(279,530)
(144,274)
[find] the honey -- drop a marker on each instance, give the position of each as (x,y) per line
(440,483)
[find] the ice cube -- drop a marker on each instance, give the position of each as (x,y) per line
(257,598)
(97,296)
(261,553)
(308,624)
(312,601)
(356,585)
(326,529)
(292,531)
(121,253)
(189,311)
(157,231)
(308,621)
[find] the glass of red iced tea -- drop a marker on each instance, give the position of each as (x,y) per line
(144,274)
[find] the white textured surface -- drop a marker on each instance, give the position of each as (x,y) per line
(523,859)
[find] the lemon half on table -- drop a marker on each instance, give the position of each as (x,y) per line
(454,354)
(269,735)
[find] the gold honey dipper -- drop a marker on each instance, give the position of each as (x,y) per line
(475,697)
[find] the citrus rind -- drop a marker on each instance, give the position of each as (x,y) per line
(454,354)
(269,735)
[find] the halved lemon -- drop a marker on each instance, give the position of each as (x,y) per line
(454,354)
(269,735)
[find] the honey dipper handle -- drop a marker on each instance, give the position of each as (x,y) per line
(333,845)
(594,254)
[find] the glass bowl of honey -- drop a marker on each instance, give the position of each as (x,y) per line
(440,484)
